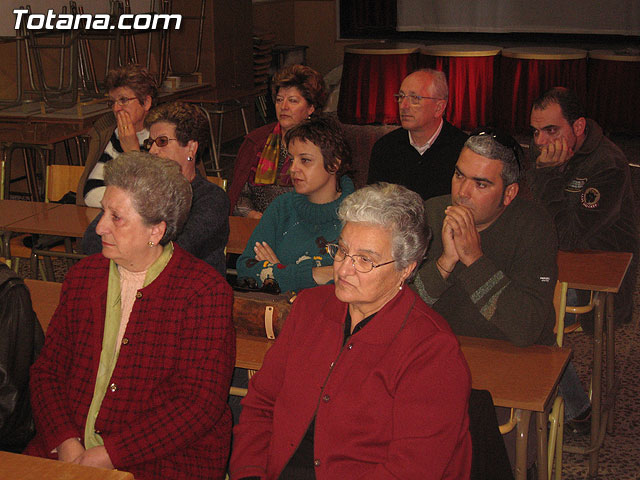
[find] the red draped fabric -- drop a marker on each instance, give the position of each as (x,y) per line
(368,85)
(470,88)
(520,81)
(613,95)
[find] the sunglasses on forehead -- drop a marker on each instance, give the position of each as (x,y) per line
(503,139)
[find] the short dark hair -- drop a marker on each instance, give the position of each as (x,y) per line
(570,106)
(190,123)
(325,133)
(309,82)
(137,78)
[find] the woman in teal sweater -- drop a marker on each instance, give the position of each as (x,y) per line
(289,244)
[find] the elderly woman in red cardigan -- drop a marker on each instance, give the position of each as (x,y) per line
(365,380)
(137,361)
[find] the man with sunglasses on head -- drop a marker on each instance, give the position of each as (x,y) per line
(132,92)
(584,181)
(491,268)
(420,155)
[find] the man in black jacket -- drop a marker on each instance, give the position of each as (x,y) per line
(21,339)
(422,154)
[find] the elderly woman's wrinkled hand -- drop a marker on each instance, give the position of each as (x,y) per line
(95,457)
(265,253)
(127,132)
(70,450)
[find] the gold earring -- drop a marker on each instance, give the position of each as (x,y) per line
(151,244)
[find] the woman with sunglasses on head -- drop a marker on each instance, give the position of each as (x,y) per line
(180,132)
(288,245)
(365,380)
(132,92)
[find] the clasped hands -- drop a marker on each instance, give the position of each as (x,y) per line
(460,239)
(554,154)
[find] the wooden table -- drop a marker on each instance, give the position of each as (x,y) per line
(23,467)
(528,72)
(240,230)
(524,379)
(603,273)
(56,219)
(12,211)
(520,378)
(371,74)
(609,74)
(465,65)
(63,220)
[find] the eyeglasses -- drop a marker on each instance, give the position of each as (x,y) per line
(503,139)
(122,101)
(161,141)
(361,263)
(415,99)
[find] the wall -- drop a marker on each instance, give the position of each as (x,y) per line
(304,22)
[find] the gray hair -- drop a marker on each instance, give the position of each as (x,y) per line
(394,208)
(159,192)
(489,147)
(439,86)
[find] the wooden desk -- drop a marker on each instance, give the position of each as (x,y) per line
(68,221)
(520,378)
(250,351)
(23,467)
(240,230)
(12,211)
(62,220)
(603,273)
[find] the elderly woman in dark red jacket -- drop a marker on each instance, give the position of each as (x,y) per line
(137,361)
(365,380)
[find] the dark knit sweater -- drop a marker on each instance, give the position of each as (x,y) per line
(508,293)
(394,160)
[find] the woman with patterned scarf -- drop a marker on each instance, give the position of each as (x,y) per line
(261,171)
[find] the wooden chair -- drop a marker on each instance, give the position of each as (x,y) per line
(59,180)
(556,417)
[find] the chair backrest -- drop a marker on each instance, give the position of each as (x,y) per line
(240,230)
(221,182)
(2,179)
(60,180)
(560,305)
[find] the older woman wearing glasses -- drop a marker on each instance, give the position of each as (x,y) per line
(180,132)
(365,380)
(132,92)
